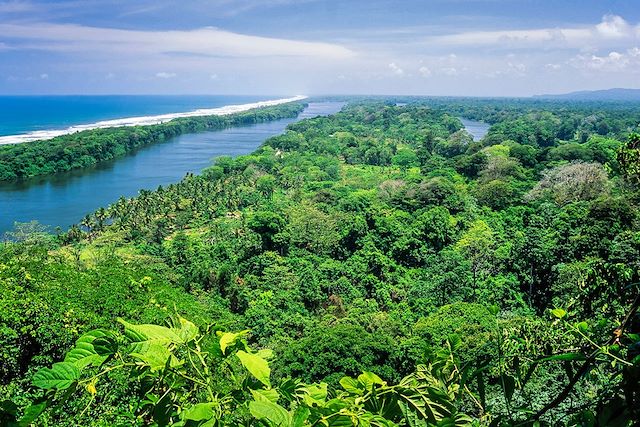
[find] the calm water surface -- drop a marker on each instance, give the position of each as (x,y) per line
(63,199)
(23,114)
(477,129)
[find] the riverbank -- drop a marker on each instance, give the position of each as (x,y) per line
(65,198)
(91,147)
(143,120)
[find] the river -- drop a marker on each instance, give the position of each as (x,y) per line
(64,199)
(477,129)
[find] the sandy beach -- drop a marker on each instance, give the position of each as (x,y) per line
(143,120)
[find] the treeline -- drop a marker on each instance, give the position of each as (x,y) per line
(484,283)
(87,148)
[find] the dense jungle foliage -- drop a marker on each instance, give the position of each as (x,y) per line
(87,148)
(376,267)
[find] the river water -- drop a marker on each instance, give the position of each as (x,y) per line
(64,199)
(477,129)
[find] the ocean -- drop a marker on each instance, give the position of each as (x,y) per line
(20,115)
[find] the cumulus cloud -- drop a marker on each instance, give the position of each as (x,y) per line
(395,69)
(424,71)
(165,75)
(612,28)
(613,61)
(449,71)
(201,42)
(44,76)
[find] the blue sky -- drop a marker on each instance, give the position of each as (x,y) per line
(428,47)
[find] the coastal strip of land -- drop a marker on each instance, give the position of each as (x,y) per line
(143,120)
(84,148)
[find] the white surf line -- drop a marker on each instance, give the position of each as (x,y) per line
(143,120)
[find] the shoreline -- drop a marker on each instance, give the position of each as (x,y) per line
(142,120)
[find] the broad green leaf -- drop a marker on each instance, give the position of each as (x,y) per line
(105,346)
(227,339)
(454,341)
(274,413)
(269,395)
(411,416)
(60,376)
(187,331)
(91,348)
(154,355)
(582,327)
(352,386)
(32,412)
(256,365)
(420,396)
(199,412)
(314,394)
(300,416)
(368,379)
(141,333)
(559,313)
(8,407)
(564,356)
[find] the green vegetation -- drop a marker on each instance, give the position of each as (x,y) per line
(87,148)
(372,268)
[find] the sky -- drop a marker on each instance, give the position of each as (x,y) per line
(313,47)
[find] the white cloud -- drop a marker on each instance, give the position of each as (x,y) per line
(424,71)
(44,76)
(449,71)
(613,61)
(518,68)
(165,75)
(612,28)
(200,42)
(395,69)
(214,77)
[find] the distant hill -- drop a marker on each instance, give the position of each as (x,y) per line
(616,94)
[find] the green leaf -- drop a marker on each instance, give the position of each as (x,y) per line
(582,327)
(351,385)
(411,416)
(256,365)
(227,339)
(199,412)
(564,356)
(92,348)
(314,395)
(269,395)
(265,410)
(187,331)
(8,407)
(300,416)
(559,313)
(154,355)
(368,379)
(508,384)
(156,333)
(60,376)
(32,412)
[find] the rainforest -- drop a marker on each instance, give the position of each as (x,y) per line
(374,267)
